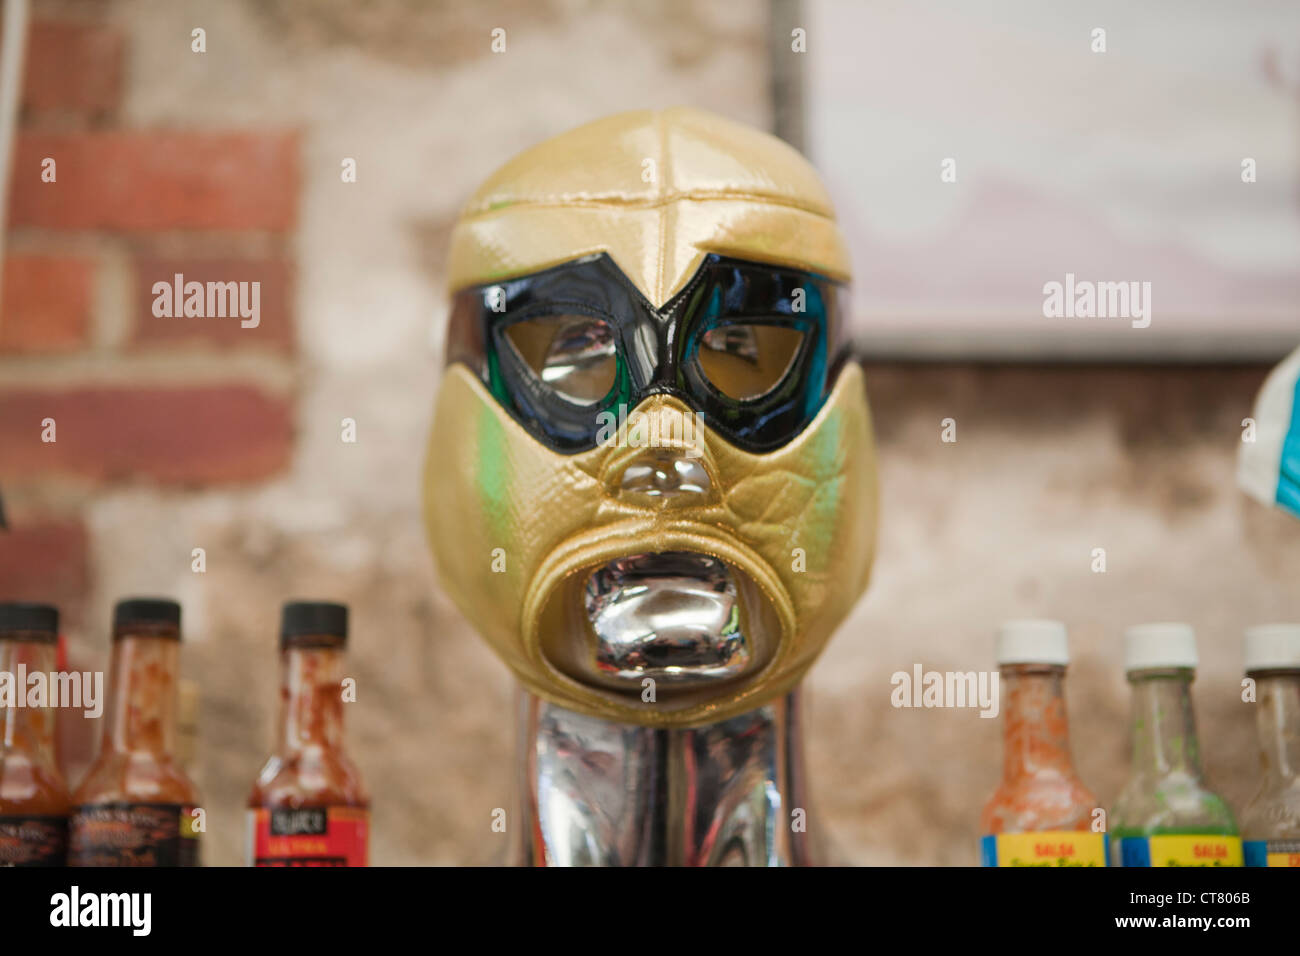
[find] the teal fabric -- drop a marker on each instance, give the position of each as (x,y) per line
(1288,479)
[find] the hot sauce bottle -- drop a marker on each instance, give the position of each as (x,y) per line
(1041,813)
(34,803)
(1270,824)
(308,806)
(136,806)
(1166,815)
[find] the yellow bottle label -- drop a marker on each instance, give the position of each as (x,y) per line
(1272,852)
(1045,848)
(1196,851)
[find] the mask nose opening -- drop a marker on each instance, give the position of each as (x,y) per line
(665,474)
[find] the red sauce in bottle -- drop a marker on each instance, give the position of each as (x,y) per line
(308,806)
(34,802)
(137,806)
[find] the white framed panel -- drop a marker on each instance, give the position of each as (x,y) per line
(977,152)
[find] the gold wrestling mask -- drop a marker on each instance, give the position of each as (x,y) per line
(650,481)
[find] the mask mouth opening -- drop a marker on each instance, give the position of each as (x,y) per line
(687,620)
(672,616)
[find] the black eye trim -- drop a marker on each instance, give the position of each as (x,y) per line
(656,349)
(742,295)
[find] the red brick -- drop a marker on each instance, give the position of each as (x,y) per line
(47,301)
(275,326)
(44,561)
(73,68)
(141,181)
(196,435)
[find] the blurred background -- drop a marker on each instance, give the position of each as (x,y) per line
(178,434)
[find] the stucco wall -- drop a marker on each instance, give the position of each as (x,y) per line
(1049,462)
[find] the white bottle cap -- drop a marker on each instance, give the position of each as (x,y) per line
(1149,646)
(1273,647)
(1032,642)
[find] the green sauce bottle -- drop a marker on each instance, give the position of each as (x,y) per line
(1270,823)
(1166,815)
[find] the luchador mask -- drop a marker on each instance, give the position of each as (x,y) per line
(650,481)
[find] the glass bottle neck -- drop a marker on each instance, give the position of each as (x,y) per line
(311,697)
(1035,734)
(1164,729)
(22,727)
(1277,721)
(143,681)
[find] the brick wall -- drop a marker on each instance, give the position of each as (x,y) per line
(175,434)
(137,400)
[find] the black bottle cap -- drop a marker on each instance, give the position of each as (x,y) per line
(304,623)
(21,617)
(158,617)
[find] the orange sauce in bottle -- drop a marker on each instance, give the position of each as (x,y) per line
(1041,814)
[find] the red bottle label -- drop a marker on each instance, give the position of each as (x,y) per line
(309,836)
(133,834)
(33,841)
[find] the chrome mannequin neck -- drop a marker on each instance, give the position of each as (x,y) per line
(590,792)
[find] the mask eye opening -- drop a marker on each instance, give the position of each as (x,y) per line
(574,356)
(748,359)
